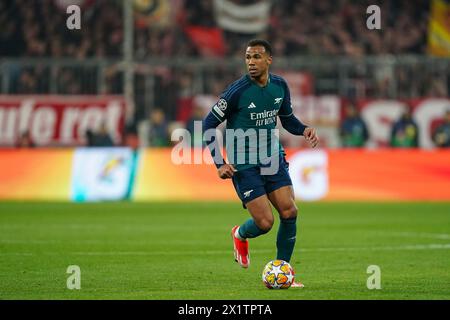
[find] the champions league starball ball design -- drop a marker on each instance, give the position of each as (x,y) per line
(278,274)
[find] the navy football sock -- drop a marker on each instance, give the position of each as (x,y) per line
(249,229)
(286,238)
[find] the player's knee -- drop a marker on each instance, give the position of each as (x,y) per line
(289,213)
(266,224)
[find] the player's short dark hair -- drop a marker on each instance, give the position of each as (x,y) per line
(261,42)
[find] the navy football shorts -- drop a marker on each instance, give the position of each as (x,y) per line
(250,184)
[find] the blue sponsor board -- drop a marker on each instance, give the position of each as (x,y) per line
(102,174)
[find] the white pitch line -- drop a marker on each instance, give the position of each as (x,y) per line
(97,242)
(439,236)
(442,236)
(431,246)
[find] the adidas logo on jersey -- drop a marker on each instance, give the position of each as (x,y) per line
(251,106)
(278,100)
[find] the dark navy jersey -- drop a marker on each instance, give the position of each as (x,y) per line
(251,112)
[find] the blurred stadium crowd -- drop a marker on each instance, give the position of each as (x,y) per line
(35,29)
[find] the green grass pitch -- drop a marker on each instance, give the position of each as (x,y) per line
(184,251)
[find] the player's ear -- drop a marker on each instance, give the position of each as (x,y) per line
(269,60)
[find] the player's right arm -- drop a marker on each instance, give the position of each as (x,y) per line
(219,113)
(224,170)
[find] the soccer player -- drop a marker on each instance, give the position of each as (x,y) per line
(257,164)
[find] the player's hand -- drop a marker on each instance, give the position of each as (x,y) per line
(226,171)
(310,135)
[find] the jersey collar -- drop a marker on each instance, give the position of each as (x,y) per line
(254,83)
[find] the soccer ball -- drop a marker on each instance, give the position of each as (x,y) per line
(278,274)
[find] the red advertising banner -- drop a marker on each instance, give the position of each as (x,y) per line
(380,114)
(59,120)
(372,175)
(36,174)
(317,175)
(326,112)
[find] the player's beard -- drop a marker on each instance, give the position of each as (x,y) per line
(256,73)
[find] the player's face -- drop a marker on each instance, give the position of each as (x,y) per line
(257,61)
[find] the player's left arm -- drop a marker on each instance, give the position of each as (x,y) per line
(292,124)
